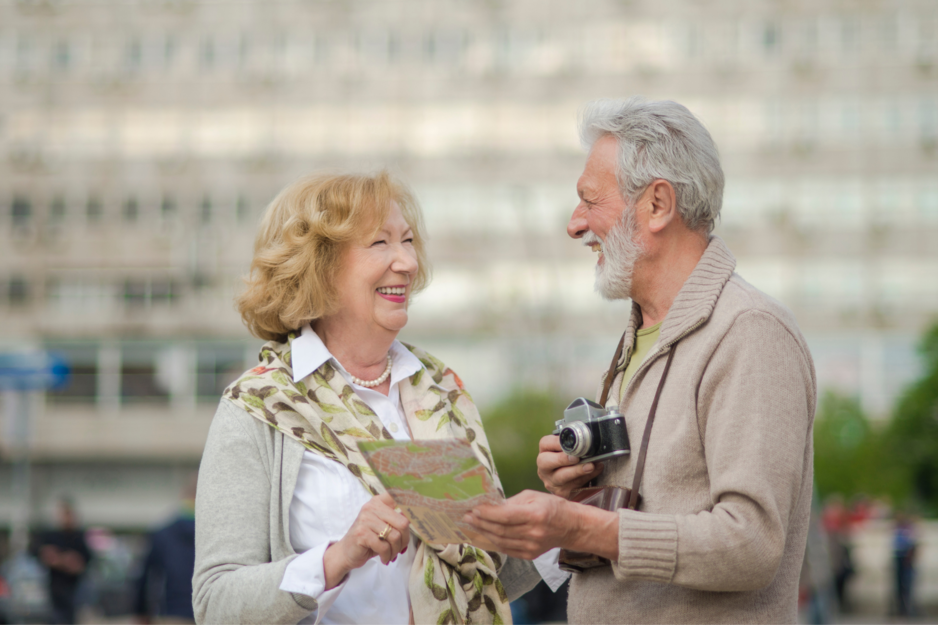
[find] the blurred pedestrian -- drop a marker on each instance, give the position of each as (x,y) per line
(904,545)
(836,521)
(164,589)
(66,554)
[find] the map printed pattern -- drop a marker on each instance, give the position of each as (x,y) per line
(435,483)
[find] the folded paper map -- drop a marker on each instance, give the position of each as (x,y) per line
(434,483)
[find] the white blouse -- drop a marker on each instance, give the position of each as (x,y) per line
(328,498)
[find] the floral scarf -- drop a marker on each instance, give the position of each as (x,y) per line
(448,583)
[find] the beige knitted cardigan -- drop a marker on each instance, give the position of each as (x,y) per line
(721,532)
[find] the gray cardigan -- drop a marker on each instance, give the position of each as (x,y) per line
(242,530)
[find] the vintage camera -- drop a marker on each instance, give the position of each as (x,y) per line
(590,432)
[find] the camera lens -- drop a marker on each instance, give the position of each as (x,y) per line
(567,438)
(576,439)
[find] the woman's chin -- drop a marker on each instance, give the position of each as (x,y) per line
(394,322)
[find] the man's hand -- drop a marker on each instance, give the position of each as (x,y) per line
(562,474)
(526,525)
(530,523)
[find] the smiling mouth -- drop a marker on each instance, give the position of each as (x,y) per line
(392,290)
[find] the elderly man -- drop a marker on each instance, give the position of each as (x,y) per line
(720,532)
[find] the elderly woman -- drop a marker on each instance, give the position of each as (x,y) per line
(291,524)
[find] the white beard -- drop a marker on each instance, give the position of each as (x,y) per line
(614,275)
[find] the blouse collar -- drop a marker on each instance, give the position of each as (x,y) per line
(309,353)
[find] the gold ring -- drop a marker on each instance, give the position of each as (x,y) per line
(384,533)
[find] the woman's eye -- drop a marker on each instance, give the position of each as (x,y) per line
(409,240)
(378,242)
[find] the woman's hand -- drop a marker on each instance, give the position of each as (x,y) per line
(362,541)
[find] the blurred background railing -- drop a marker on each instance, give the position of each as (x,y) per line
(141,140)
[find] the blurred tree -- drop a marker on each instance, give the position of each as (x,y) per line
(899,461)
(850,457)
(514,428)
(912,436)
(841,433)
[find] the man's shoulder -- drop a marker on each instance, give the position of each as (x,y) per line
(741,298)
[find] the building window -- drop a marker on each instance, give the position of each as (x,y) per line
(892,118)
(809,38)
(241,209)
(244,51)
(890,33)
(21,212)
(140,380)
(145,293)
(82,385)
(23,55)
(134,54)
(928,120)
(207,54)
(169,51)
(849,34)
(218,366)
(57,211)
(205,211)
(692,41)
(168,208)
(131,210)
(94,210)
(928,204)
(320,49)
(162,291)
(18,291)
(771,38)
(62,56)
(135,292)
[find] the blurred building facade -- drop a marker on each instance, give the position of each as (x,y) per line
(141,140)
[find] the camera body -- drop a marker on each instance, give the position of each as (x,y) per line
(590,432)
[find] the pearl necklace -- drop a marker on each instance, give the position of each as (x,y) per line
(377,381)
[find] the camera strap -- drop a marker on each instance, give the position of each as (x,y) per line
(611,374)
(640,466)
(643,450)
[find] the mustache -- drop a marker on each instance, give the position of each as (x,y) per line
(590,239)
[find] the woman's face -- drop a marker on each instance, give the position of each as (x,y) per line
(375,280)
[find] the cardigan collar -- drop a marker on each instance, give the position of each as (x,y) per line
(694,302)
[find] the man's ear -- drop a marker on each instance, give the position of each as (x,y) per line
(662,209)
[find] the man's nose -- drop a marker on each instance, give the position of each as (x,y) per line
(577,226)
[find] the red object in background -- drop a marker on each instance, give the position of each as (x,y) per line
(4,588)
(835,518)
(860,512)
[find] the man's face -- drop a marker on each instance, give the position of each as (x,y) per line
(606,223)
(601,202)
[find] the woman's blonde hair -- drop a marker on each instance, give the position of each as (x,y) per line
(299,248)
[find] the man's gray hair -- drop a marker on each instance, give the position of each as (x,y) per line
(660,139)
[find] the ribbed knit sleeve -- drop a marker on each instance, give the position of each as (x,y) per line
(647,547)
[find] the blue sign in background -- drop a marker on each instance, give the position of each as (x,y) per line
(28,371)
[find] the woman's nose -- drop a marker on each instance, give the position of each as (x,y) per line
(405,261)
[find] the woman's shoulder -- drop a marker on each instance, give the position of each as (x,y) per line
(437,370)
(233,420)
